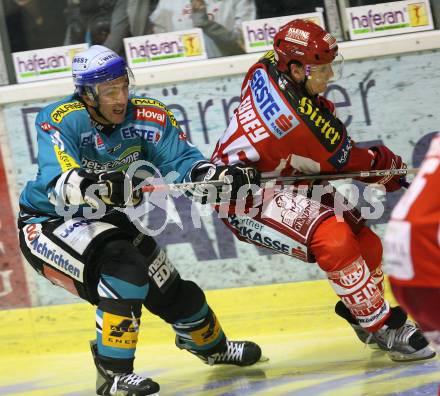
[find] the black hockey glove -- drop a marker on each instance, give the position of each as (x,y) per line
(114,188)
(235,181)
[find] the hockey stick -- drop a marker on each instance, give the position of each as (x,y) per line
(271,177)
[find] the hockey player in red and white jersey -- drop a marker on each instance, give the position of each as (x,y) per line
(284,126)
(412,247)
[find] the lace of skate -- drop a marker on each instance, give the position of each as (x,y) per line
(400,335)
(130,379)
(233,353)
(367,341)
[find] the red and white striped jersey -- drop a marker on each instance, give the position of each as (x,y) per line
(412,241)
(279,128)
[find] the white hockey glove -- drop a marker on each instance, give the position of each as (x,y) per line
(235,182)
(114,188)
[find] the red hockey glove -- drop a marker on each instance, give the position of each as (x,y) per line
(384,158)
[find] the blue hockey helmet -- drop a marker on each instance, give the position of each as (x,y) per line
(96,65)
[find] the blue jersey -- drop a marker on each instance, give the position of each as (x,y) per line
(68,138)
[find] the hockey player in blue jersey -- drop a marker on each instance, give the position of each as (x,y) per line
(85,144)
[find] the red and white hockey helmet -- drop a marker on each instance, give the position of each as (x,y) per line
(305,42)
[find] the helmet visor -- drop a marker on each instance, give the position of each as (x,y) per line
(328,72)
(115,91)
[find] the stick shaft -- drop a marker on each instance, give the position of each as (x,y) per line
(267,177)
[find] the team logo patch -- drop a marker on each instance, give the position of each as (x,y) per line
(260,234)
(150,114)
(172,118)
(32,231)
(43,248)
(114,149)
(330,40)
(271,107)
(296,209)
(56,140)
(298,36)
(71,225)
(45,126)
(79,232)
(86,139)
(322,123)
(119,331)
(145,132)
(147,102)
(207,333)
(99,143)
(352,278)
(65,160)
(340,158)
(60,112)
(129,156)
(161,271)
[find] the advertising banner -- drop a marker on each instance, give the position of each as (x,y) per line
(389,18)
(13,284)
(391,101)
(45,64)
(258,34)
(158,49)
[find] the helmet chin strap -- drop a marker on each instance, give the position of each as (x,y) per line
(95,99)
(99,114)
(302,83)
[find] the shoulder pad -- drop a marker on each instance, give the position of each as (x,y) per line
(65,108)
(268,57)
(147,102)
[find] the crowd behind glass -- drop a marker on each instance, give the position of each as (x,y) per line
(35,24)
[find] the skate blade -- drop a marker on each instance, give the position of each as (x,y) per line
(423,354)
(263,359)
(124,393)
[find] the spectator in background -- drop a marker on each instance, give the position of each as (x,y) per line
(108,22)
(435,7)
(88,21)
(268,9)
(219,20)
(35,24)
(358,3)
(129,18)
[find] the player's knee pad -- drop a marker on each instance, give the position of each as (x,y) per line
(162,274)
(334,245)
(337,252)
(371,248)
(117,328)
(200,333)
(182,299)
(358,290)
(121,260)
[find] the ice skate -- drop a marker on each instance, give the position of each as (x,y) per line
(402,339)
(363,335)
(399,337)
(121,384)
(238,353)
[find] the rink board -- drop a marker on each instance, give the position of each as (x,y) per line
(44,351)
